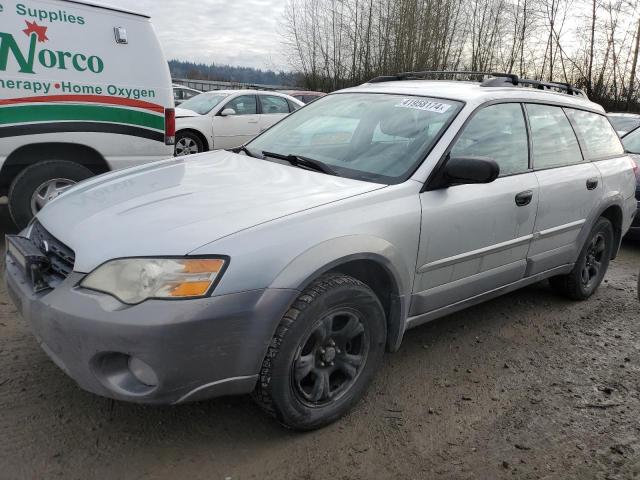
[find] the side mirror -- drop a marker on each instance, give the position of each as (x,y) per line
(227,112)
(467,170)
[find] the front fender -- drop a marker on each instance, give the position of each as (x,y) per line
(330,254)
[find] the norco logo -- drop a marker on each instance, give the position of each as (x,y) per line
(45,57)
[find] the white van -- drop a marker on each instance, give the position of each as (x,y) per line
(84,89)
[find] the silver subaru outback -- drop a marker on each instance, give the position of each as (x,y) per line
(288,267)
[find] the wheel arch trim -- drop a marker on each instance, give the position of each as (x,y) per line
(616,202)
(331,254)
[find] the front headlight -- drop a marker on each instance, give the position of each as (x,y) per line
(133,280)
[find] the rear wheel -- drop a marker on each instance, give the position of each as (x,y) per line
(187,143)
(324,354)
(38,184)
(592,264)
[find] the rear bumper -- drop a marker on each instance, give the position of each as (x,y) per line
(197,349)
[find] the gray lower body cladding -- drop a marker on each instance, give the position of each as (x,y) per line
(634,231)
(196,349)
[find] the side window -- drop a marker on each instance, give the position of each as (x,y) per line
(293,106)
(552,137)
(189,93)
(243,105)
(273,104)
(598,136)
(631,141)
(497,132)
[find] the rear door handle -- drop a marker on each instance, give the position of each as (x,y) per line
(592,184)
(524,198)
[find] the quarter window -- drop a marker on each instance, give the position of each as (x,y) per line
(244,105)
(553,140)
(497,132)
(273,104)
(598,136)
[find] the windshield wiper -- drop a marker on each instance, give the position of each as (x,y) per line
(304,162)
(244,149)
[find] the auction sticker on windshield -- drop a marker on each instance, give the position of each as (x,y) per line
(426,105)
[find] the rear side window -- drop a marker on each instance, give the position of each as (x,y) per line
(598,136)
(273,104)
(553,140)
(497,132)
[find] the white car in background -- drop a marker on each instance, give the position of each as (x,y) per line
(223,119)
(182,93)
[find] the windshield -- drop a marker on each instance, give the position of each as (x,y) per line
(367,136)
(624,123)
(204,102)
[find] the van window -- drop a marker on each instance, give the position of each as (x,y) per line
(497,132)
(553,140)
(273,104)
(598,136)
(243,105)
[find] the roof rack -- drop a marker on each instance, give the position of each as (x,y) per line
(489,79)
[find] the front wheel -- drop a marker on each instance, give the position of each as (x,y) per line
(592,264)
(40,183)
(324,354)
(187,143)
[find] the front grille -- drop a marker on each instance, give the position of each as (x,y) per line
(60,256)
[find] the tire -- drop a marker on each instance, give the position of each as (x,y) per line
(187,143)
(591,266)
(58,173)
(303,381)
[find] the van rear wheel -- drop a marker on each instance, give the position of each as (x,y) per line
(38,184)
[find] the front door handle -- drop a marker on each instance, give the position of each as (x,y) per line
(524,198)
(592,183)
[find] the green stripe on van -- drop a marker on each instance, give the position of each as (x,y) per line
(98,113)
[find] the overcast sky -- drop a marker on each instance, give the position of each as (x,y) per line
(240,32)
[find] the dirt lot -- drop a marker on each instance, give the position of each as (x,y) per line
(526,386)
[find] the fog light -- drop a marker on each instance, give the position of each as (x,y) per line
(143,372)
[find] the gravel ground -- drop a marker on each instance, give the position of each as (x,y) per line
(526,386)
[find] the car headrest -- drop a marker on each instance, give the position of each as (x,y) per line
(400,124)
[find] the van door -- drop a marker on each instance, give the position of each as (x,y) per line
(274,109)
(475,238)
(570,188)
(233,130)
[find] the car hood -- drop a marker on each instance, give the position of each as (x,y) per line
(185,112)
(174,206)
